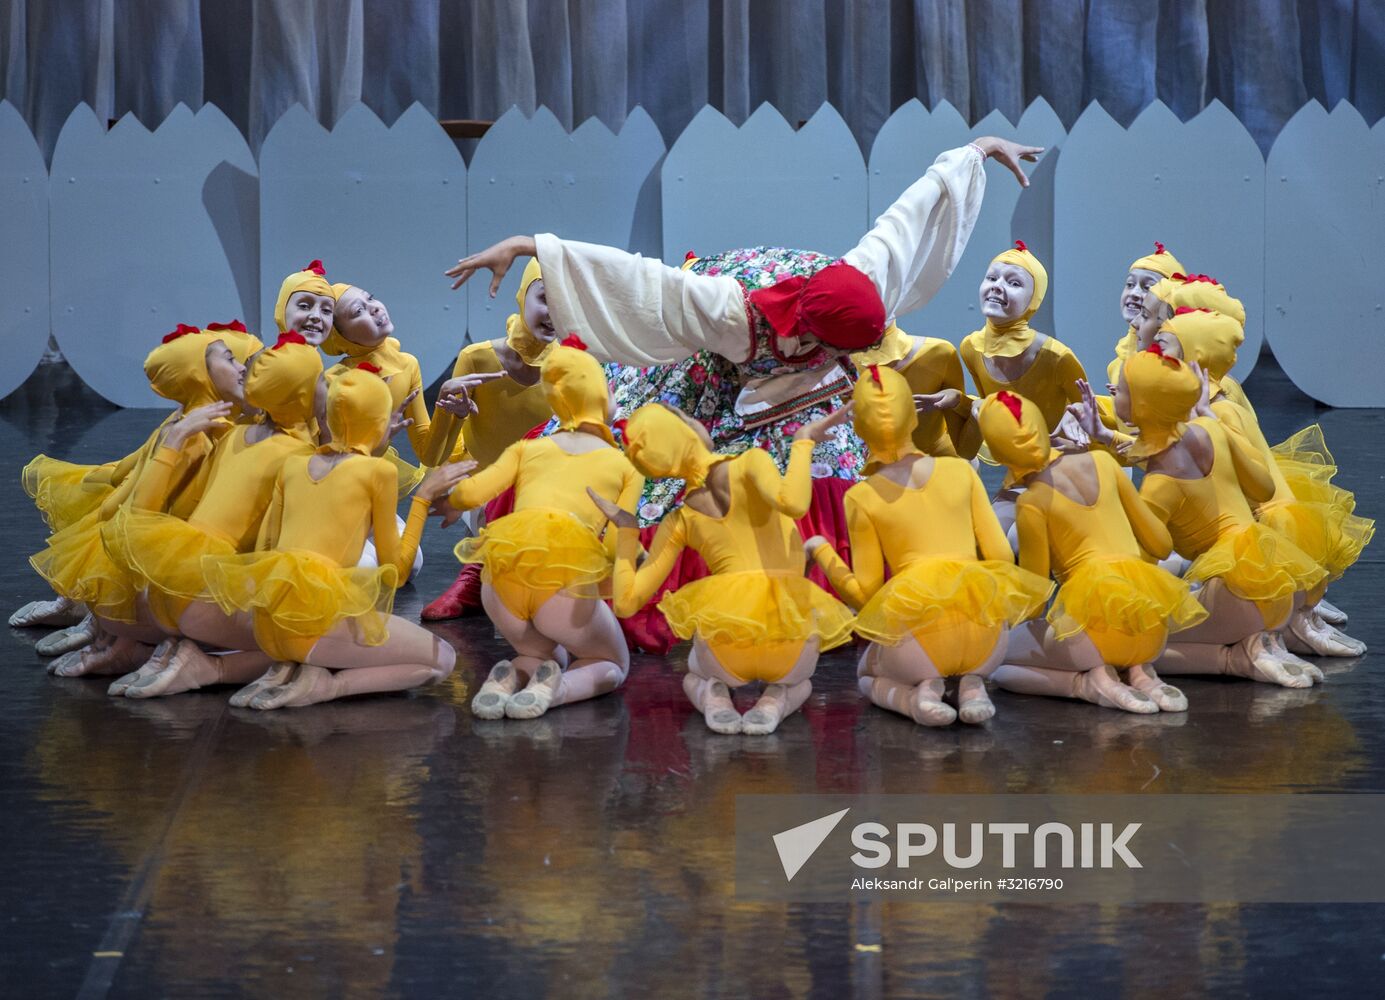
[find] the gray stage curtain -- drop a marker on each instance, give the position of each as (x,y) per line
(583,58)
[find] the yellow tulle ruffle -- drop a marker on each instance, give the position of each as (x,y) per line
(754,608)
(987,592)
(409,475)
(60,491)
(76,565)
(1257,564)
(544,550)
(1122,595)
(1309,468)
(165,552)
(302,593)
(1333,537)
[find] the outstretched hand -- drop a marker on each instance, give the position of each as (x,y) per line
(1009,154)
(933,402)
(438,483)
(496,259)
(455,395)
(1204,400)
(616,514)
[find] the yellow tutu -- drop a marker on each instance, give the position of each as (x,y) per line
(1333,537)
(1258,564)
(77,566)
(60,491)
(986,592)
(409,475)
(1123,595)
(164,552)
(302,593)
(754,608)
(1308,467)
(544,550)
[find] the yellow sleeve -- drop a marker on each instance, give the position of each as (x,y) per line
(418,413)
(123,468)
(490,482)
(154,486)
(790,494)
(859,583)
(631,488)
(1162,496)
(268,536)
(1068,372)
(1152,534)
(1252,468)
(1032,525)
(392,549)
(991,542)
(632,588)
(966,437)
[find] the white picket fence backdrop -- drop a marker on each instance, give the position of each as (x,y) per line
(132,231)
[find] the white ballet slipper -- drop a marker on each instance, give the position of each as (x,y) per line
(57,613)
(67,639)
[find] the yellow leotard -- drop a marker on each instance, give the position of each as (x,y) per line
(303,578)
(552,541)
(1124,604)
(1211,522)
(929,365)
(756,610)
(165,552)
(1050,381)
(955,605)
(506,410)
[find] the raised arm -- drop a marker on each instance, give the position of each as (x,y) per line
(791,493)
(626,308)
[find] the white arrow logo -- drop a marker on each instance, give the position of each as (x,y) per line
(796,846)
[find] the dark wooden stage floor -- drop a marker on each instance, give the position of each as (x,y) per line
(394,846)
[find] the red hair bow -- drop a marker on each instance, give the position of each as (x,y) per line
(317,268)
(235,325)
(875,374)
(1158,247)
(1011,402)
(572,340)
(1021,247)
(288,337)
(690,255)
(182,331)
(366,366)
(1181,310)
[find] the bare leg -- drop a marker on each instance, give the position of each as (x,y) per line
(531,646)
(411,657)
(57,613)
(903,679)
(589,631)
(1252,658)
(1038,662)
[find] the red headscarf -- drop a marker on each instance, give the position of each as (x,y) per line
(838,305)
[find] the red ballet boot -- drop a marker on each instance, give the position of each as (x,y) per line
(459,600)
